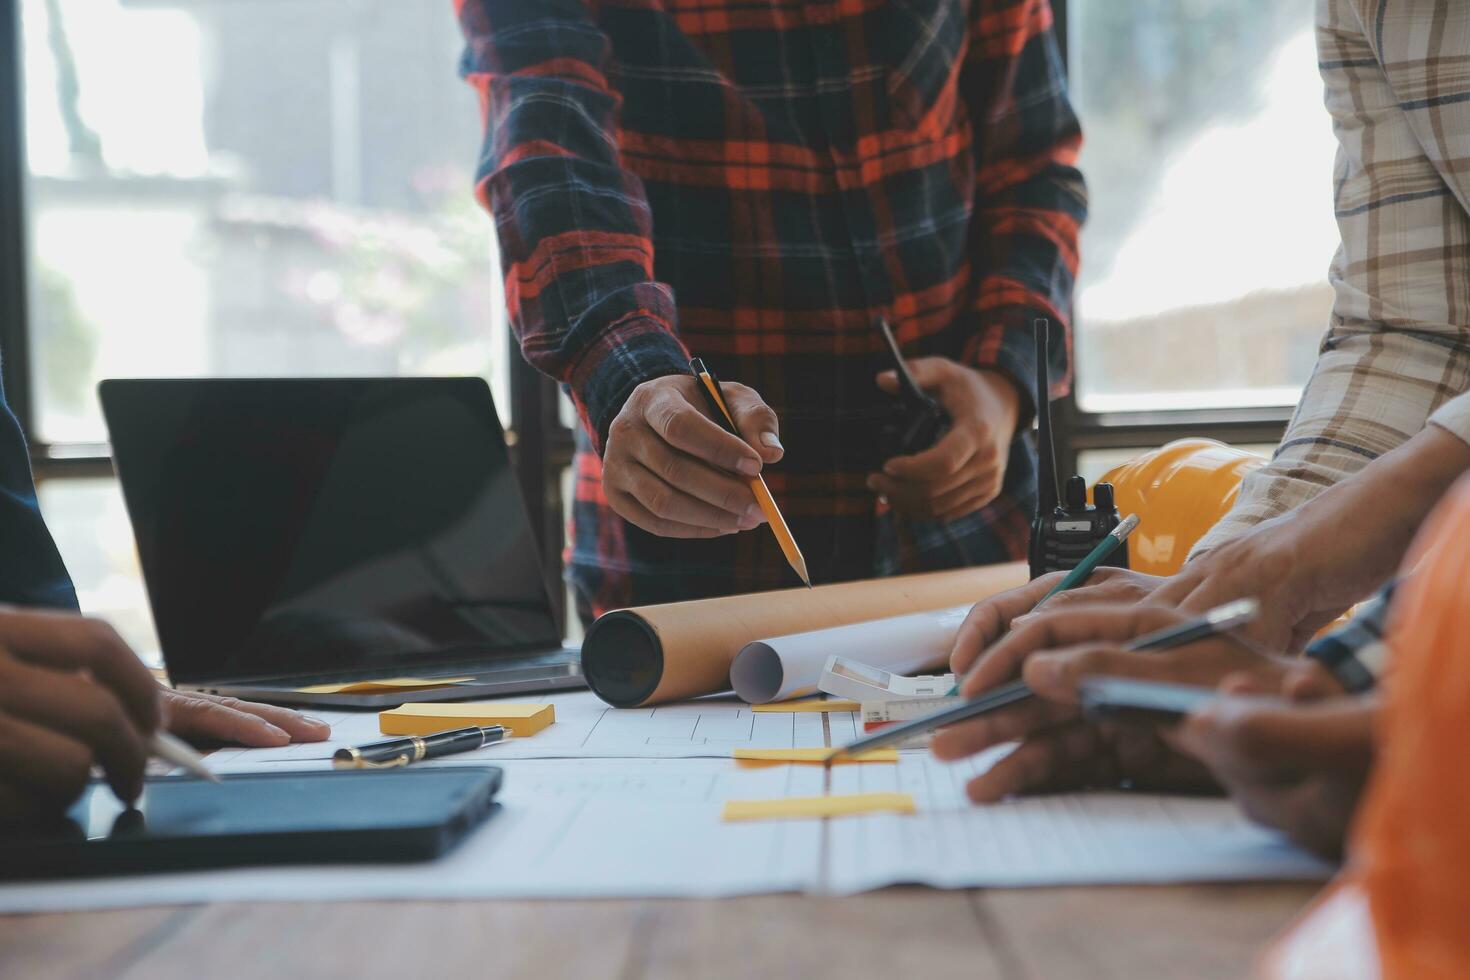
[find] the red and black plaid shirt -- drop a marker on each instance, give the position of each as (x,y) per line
(753,181)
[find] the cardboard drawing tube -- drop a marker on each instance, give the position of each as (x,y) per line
(652,654)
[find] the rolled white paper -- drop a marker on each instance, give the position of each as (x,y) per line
(786,667)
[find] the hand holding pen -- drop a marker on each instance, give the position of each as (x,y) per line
(992,703)
(1064,582)
(1052,654)
(74,696)
(721,411)
(675,472)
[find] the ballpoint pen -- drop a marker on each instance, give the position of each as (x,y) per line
(402,751)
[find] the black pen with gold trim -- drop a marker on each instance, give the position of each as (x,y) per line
(393,752)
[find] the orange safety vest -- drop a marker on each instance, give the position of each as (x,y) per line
(1401,908)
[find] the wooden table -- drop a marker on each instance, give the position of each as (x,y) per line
(1200,931)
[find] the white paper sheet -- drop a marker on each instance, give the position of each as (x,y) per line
(566,829)
(790,666)
(1071,839)
(585,728)
(635,827)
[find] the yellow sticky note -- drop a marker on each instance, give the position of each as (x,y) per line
(383,684)
(426,719)
(803,807)
(808,705)
(781,757)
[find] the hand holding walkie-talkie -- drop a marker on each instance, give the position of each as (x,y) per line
(915,420)
(945,443)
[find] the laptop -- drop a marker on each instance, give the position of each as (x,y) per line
(298,535)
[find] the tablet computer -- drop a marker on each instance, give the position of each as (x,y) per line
(259,819)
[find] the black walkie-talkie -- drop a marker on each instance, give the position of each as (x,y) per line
(1065,531)
(915,421)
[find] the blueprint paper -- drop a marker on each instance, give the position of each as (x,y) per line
(583,822)
(1065,839)
(586,728)
(566,829)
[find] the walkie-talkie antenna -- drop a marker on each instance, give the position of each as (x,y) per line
(1048,494)
(906,382)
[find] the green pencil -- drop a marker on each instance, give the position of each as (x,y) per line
(1096,557)
(1086,566)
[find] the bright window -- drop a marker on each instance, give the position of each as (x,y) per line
(90,524)
(271,187)
(274,187)
(1209,158)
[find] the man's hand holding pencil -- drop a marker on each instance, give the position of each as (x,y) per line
(672,471)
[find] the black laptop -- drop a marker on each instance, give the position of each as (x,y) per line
(311,533)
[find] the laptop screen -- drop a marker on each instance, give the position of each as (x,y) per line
(297,527)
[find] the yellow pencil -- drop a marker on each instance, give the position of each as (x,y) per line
(710,386)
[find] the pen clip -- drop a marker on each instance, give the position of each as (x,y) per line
(358,762)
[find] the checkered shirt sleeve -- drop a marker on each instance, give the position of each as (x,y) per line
(1397,354)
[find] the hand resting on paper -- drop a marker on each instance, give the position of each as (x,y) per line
(212,718)
(673,471)
(73,695)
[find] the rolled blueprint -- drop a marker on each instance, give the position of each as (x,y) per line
(652,654)
(789,666)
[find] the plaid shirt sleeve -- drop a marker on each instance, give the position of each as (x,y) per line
(1397,354)
(1355,652)
(1031,200)
(573,223)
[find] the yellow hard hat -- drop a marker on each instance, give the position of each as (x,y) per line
(1178,492)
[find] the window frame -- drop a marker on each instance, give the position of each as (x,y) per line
(541,446)
(14,286)
(1078,431)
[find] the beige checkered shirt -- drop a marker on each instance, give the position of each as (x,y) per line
(1396,355)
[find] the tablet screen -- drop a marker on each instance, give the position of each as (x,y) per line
(259,818)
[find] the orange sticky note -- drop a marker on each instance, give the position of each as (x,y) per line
(384,684)
(810,807)
(786,707)
(426,719)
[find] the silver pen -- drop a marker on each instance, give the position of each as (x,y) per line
(1221,619)
(171,748)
